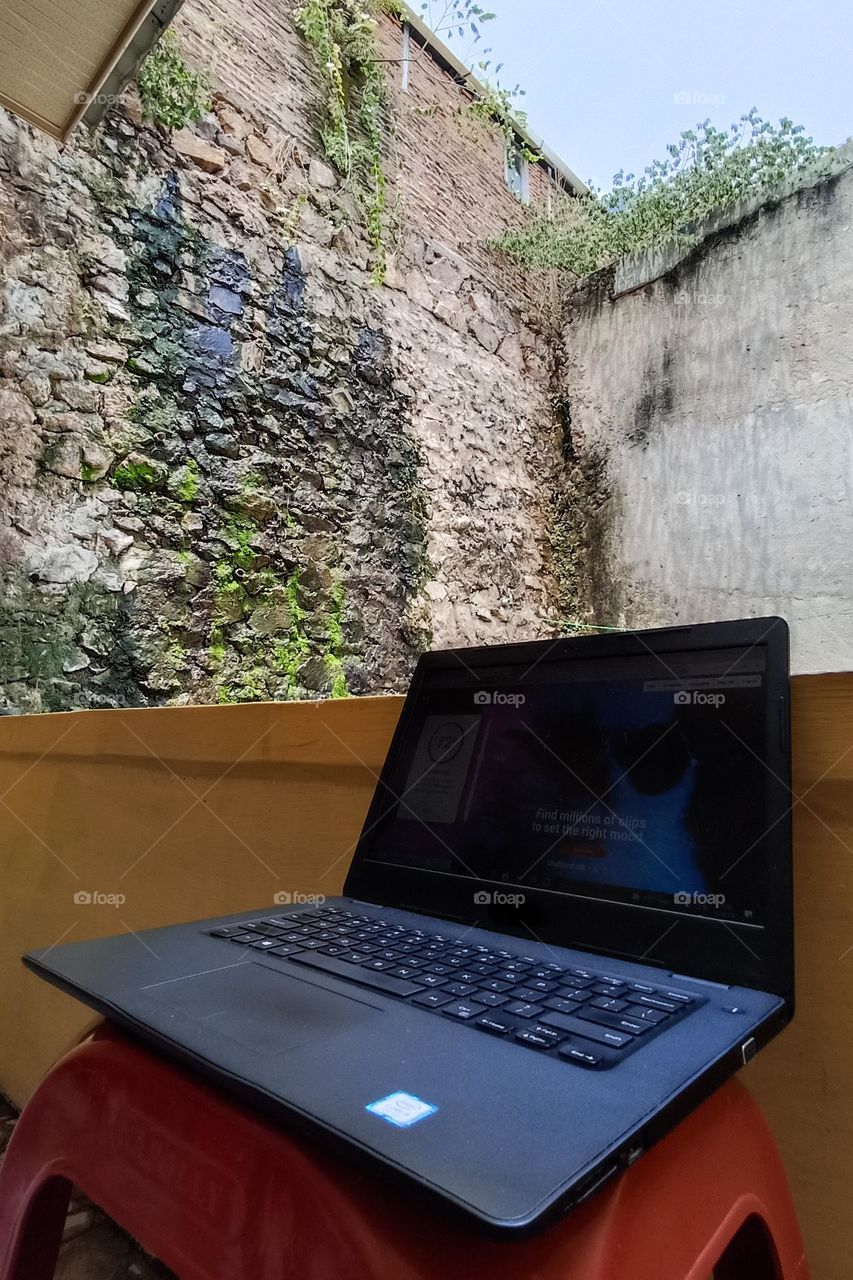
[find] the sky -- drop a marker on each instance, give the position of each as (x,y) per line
(609,83)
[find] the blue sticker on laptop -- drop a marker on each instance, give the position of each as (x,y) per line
(401,1109)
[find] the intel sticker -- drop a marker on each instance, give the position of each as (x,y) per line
(401,1109)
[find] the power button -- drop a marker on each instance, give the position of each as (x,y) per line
(748,1050)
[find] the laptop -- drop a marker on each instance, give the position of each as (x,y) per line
(567,921)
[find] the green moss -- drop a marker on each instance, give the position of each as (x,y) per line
(334,652)
(238,533)
(187,486)
(136,476)
(157,414)
(292,651)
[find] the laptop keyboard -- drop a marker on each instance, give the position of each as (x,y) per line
(581,1016)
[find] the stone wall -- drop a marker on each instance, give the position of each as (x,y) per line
(711,400)
(231,466)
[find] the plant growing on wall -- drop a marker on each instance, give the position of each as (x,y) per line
(706,172)
(341,36)
(172,95)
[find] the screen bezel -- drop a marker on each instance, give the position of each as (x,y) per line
(728,952)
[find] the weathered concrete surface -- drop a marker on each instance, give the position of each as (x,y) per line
(717,401)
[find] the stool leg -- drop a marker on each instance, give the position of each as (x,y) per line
(31,1247)
(749,1255)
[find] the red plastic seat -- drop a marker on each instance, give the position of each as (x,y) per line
(218,1193)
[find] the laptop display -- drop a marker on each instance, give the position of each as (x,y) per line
(637,778)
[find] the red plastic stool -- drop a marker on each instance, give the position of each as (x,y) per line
(217,1193)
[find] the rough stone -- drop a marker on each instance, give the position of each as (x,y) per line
(321,175)
(203,154)
(260,152)
(69,563)
(76,457)
(36,387)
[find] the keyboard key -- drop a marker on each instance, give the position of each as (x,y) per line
(641,986)
(460,988)
(525,993)
(542,986)
(245,938)
(571,993)
(464,1010)
(583,1057)
(523,1009)
(619,1022)
(227,931)
(364,977)
(495,1024)
(428,979)
(536,1039)
(561,1005)
(491,998)
(652,1016)
(677,995)
(431,999)
(285,949)
(589,1030)
(264,944)
(495,984)
(607,1002)
(656,1002)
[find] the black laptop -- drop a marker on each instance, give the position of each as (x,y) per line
(567,921)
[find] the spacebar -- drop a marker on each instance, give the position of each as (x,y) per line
(365,977)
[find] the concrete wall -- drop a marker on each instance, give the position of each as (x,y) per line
(714,400)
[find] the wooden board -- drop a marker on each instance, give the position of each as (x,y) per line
(190,812)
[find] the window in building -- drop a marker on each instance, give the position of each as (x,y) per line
(517,172)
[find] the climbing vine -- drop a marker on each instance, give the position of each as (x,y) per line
(171,94)
(354,110)
(706,172)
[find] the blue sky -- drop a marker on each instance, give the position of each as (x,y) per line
(602,76)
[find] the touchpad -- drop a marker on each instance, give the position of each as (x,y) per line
(261,1008)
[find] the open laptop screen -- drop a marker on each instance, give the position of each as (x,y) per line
(639,778)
